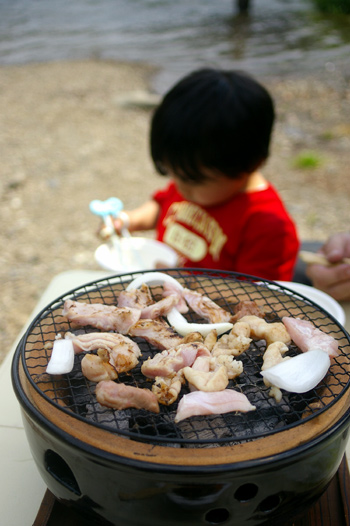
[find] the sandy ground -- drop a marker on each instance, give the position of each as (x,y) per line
(65,139)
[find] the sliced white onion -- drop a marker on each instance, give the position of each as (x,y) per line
(155,278)
(300,373)
(62,357)
(181,325)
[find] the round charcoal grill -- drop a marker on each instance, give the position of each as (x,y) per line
(74,394)
(67,408)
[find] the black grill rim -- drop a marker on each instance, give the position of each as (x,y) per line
(94,285)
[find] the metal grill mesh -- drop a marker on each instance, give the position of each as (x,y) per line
(74,394)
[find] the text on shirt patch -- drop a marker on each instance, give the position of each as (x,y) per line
(190,243)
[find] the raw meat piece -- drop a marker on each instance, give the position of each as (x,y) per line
(306,336)
(200,403)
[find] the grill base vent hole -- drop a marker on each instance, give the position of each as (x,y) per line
(217,516)
(246,492)
(270,503)
(60,471)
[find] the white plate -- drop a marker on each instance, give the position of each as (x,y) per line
(132,254)
(317,296)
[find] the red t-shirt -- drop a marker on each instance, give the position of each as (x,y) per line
(251,233)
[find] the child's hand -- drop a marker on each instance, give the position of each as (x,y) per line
(104,232)
(114,226)
(121,223)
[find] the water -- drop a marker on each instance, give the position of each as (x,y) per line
(278,36)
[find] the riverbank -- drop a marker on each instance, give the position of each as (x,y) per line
(66,139)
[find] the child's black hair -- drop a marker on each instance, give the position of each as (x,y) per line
(215,119)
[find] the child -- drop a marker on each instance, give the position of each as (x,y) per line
(211,135)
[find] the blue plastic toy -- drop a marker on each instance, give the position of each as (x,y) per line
(111,207)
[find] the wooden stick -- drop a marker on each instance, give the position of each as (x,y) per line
(319,259)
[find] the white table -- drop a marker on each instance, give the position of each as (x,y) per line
(21,487)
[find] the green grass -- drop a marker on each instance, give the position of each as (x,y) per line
(333,6)
(327,135)
(307,160)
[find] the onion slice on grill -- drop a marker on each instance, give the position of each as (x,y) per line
(175,318)
(62,357)
(183,327)
(155,278)
(300,373)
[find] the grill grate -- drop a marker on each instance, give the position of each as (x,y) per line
(74,394)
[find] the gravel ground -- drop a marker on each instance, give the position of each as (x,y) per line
(65,139)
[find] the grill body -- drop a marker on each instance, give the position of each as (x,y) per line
(117,491)
(267,468)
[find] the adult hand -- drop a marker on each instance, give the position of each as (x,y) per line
(335,279)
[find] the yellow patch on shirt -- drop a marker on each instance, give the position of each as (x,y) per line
(208,237)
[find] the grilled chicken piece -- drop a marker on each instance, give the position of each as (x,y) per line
(169,362)
(121,396)
(169,289)
(274,355)
(96,367)
(93,341)
(156,332)
(167,390)
(122,352)
(216,380)
(142,299)
(234,343)
(205,307)
(211,363)
(212,373)
(160,308)
(202,363)
(101,316)
(211,339)
(271,332)
(233,367)
(124,357)
(247,308)
(136,299)
(200,403)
